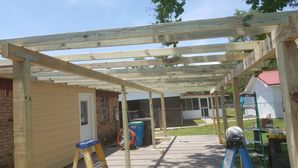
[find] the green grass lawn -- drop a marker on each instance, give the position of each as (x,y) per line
(193,122)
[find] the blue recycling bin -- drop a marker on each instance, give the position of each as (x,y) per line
(138,128)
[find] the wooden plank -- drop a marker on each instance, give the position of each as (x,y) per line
(147,81)
(138,76)
(125,126)
(152,120)
(163,114)
(18,53)
(223,107)
(144,63)
(213,113)
(216,68)
(22,115)
(237,46)
(219,133)
(183,60)
(264,51)
(287,59)
(200,84)
(219,27)
(236,98)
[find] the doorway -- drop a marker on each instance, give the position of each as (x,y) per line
(86,111)
(204,107)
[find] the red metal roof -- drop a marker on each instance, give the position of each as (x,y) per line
(270,77)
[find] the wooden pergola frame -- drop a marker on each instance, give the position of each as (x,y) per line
(25,62)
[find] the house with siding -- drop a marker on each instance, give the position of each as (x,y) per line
(178,107)
(138,107)
(62,116)
(268,92)
(197,106)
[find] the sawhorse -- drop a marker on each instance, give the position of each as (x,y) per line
(86,148)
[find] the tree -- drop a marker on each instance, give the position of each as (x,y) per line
(168,11)
(265,6)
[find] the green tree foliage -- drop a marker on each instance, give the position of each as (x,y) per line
(265,6)
(168,11)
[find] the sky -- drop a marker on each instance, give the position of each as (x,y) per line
(20,18)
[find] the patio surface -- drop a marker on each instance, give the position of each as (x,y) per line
(183,151)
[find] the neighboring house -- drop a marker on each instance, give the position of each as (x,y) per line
(198,106)
(140,109)
(267,88)
(178,107)
(61,117)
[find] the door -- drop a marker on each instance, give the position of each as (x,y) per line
(204,107)
(86,116)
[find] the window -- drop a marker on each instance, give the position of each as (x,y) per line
(195,104)
(183,104)
(84,112)
(219,102)
(190,104)
(104,106)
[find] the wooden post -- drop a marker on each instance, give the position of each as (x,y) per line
(219,133)
(125,126)
(152,120)
(163,113)
(213,114)
(287,59)
(223,107)
(236,96)
(22,115)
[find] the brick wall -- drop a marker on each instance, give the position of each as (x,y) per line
(6,124)
(107,130)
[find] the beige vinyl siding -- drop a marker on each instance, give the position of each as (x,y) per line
(55,119)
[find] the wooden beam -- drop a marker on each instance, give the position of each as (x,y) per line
(224,113)
(215,68)
(183,60)
(22,114)
(219,133)
(167,32)
(236,97)
(213,113)
(18,53)
(264,51)
(152,120)
(163,114)
(138,76)
(238,46)
(125,126)
(144,63)
(161,81)
(151,84)
(287,59)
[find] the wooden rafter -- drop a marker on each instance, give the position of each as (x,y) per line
(183,60)
(239,46)
(211,28)
(17,53)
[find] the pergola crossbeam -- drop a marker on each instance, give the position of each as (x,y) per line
(168,32)
(13,52)
(237,46)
